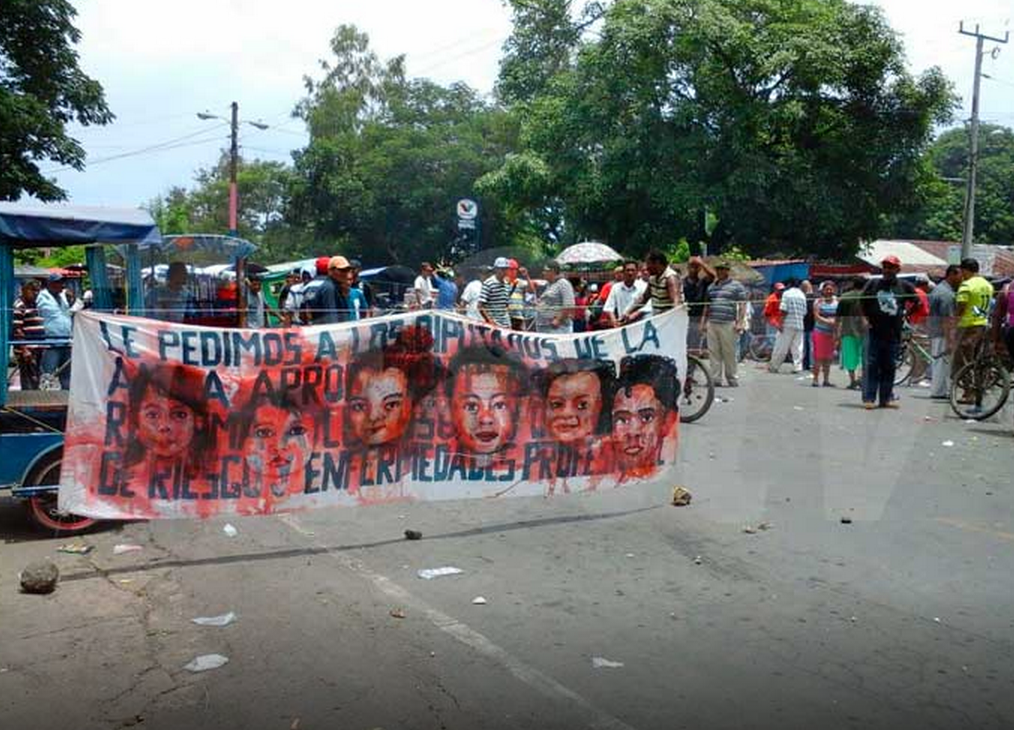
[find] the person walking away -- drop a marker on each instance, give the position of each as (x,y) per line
(851,327)
(940,325)
(622,295)
(423,286)
(808,322)
(27,325)
(664,291)
(790,337)
(1003,319)
(56,323)
(721,320)
(972,311)
(824,311)
(555,311)
(495,295)
(695,294)
(469,303)
(886,302)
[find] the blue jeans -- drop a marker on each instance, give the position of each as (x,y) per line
(881,364)
(53,358)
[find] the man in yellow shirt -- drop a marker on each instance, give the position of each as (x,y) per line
(972,310)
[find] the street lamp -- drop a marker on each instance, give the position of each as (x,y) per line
(233,159)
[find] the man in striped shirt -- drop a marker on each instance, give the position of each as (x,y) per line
(27,325)
(790,334)
(495,295)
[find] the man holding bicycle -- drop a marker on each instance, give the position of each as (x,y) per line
(972,310)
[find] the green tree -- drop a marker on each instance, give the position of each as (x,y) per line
(389,156)
(940,211)
(42,89)
(263,188)
(795,122)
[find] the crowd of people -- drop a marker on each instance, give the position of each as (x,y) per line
(861,327)
(864,327)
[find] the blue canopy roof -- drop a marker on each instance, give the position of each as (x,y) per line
(205,248)
(59,224)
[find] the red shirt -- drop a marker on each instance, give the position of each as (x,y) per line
(772,313)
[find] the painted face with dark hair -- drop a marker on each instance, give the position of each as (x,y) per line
(278,446)
(379,406)
(573,406)
(165,426)
(483,405)
(639,425)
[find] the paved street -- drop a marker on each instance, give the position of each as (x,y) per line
(903,618)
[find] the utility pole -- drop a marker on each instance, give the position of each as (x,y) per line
(234,164)
(973,152)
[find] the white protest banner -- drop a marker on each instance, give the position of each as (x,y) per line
(169,420)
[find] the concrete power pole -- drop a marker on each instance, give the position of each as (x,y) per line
(973,153)
(234,164)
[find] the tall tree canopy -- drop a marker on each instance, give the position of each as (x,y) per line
(796,122)
(940,213)
(42,89)
(389,156)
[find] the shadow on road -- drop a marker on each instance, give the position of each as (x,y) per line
(325,549)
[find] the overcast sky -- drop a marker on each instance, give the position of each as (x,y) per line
(162,62)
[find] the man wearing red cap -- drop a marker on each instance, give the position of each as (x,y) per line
(886,301)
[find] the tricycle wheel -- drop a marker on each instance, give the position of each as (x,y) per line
(43,508)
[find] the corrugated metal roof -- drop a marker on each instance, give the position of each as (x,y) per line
(911,255)
(993,260)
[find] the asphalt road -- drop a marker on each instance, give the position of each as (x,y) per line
(902,618)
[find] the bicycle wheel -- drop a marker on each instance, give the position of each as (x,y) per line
(760,348)
(904,365)
(698,391)
(980,389)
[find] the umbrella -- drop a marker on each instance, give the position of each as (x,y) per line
(588,253)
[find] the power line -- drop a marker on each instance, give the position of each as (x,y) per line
(153,149)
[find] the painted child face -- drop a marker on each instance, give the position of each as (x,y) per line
(639,425)
(278,446)
(165,426)
(482,408)
(573,405)
(379,406)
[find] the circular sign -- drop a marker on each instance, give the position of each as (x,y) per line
(467,209)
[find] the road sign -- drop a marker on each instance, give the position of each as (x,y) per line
(468,210)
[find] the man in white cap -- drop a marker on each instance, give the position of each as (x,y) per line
(495,295)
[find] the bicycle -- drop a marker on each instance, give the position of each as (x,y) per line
(913,360)
(698,390)
(980,388)
(761,347)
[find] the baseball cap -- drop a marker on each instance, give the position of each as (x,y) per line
(721,264)
(779,286)
(501,263)
(322,264)
(512,263)
(338,262)
(892,260)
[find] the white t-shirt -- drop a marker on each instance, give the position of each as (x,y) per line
(424,286)
(470,298)
(621,297)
